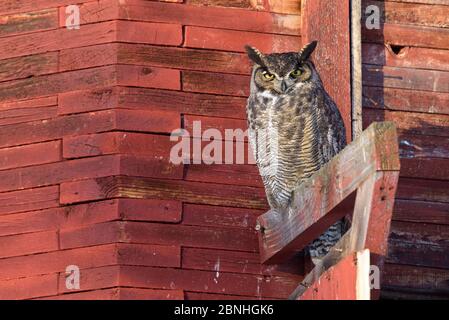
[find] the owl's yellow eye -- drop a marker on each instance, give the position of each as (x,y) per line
(268,75)
(296,73)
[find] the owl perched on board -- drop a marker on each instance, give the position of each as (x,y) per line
(294,128)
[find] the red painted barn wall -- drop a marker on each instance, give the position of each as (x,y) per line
(84,122)
(85,177)
(407,81)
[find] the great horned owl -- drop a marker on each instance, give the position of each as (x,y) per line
(294,128)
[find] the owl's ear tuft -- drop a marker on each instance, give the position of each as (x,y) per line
(255,55)
(307,50)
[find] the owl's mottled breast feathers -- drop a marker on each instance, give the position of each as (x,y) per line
(293,130)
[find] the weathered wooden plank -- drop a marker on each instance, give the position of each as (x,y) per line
(53,40)
(223,84)
(57,261)
(421,211)
(405,78)
(425,168)
(344,273)
(29,155)
(377,211)
(423,190)
(182,58)
(10,7)
(221,106)
(120,294)
(27,110)
(427,14)
(422,147)
(88,100)
(143,99)
(152,77)
(28,243)
(142,188)
(282,232)
(406,100)
(246,4)
(93,279)
(197,280)
(417,254)
(415,282)
(231,40)
(238,174)
(91,34)
(193,236)
(320,22)
(54,173)
(356,68)
(405,57)
(239,262)
(148,32)
(421,1)
(54,218)
(58,82)
(157,146)
(28,22)
(91,12)
(408,35)
(29,199)
(107,120)
(420,233)
(222,125)
(162,234)
(55,128)
(29,287)
(213,296)
(28,66)
(151,210)
(150,294)
(62,217)
(88,57)
(204,215)
(410,122)
(277,6)
(191,15)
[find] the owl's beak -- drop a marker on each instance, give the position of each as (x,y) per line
(281,87)
(284,87)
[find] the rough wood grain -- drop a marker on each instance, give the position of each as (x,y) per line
(405,100)
(405,78)
(231,40)
(143,188)
(29,199)
(408,35)
(329,23)
(28,22)
(145,98)
(210,17)
(427,14)
(344,273)
(407,57)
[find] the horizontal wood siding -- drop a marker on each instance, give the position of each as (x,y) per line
(79,108)
(85,118)
(406,80)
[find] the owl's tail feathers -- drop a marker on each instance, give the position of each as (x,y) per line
(322,245)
